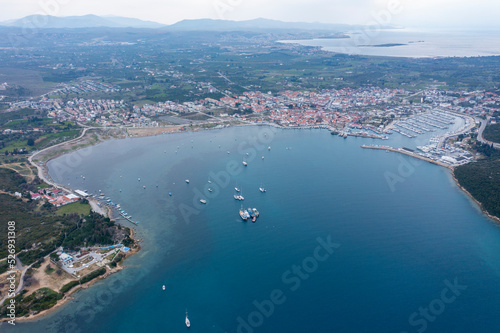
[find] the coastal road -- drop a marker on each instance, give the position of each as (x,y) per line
(470,124)
(480,137)
(20,287)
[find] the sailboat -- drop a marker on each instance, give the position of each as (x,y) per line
(188,323)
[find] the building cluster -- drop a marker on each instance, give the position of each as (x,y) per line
(452,155)
(87,86)
(55,196)
(339,108)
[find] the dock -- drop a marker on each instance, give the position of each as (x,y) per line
(128,219)
(408,153)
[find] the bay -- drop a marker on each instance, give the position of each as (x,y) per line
(396,248)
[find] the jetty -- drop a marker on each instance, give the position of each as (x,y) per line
(408,152)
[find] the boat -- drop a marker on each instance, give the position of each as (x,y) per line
(262,189)
(244,214)
(187,181)
(236,189)
(262,157)
(256,212)
(245,163)
(188,323)
(269,148)
(209,190)
(163,287)
(170,193)
(203,201)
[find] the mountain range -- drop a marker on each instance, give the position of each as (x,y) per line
(85,21)
(94,21)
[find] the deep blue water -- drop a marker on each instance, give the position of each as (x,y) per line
(396,249)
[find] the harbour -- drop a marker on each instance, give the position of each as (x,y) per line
(198,257)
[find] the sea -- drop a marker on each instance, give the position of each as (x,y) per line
(411,43)
(348,240)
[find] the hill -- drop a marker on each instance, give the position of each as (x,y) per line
(85,21)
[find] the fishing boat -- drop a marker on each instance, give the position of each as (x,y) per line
(256,212)
(244,214)
(188,323)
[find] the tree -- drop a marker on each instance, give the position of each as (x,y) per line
(31,142)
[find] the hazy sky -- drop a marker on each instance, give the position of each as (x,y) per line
(411,13)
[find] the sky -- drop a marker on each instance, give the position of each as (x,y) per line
(452,14)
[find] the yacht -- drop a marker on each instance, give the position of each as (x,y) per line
(187,181)
(188,323)
(203,201)
(245,163)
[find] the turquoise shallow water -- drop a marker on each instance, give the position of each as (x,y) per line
(395,251)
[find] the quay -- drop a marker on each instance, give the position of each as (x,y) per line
(409,153)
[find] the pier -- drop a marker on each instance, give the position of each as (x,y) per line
(408,153)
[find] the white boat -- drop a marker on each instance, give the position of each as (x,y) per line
(236,189)
(262,189)
(245,163)
(163,287)
(209,190)
(188,323)
(269,148)
(187,181)
(262,157)
(203,201)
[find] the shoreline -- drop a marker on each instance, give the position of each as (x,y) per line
(44,169)
(451,168)
(68,296)
(484,211)
(44,175)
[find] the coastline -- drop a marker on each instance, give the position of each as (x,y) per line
(485,212)
(68,296)
(76,144)
(82,141)
(43,170)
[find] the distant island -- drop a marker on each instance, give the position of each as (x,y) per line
(384,45)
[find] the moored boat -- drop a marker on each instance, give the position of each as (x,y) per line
(188,323)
